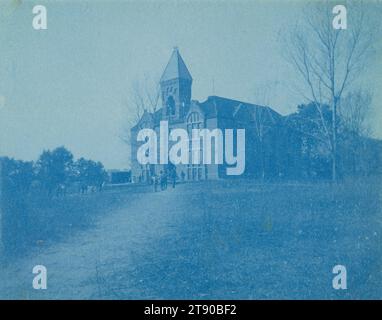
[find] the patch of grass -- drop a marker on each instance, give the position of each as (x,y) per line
(265,241)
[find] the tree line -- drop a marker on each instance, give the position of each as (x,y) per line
(54,173)
(357,153)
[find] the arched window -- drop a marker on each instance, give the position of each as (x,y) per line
(193,122)
(194,171)
(170,105)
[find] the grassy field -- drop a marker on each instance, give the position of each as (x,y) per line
(33,219)
(248,241)
(233,240)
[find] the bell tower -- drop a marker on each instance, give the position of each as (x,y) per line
(175,85)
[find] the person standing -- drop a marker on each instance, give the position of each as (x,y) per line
(161,180)
(155,182)
(173,177)
(164,180)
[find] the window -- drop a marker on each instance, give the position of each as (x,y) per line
(170,105)
(194,171)
(193,122)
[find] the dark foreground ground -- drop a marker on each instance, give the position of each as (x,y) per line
(217,240)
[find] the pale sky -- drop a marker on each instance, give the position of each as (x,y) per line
(67,85)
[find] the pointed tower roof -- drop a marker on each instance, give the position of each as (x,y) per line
(176,68)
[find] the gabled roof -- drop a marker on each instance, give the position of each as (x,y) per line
(223,108)
(227,108)
(176,68)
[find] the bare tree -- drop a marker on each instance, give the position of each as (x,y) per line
(354,110)
(263,121)
(143,96)
(328,60)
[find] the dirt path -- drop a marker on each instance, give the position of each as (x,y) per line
(210,241)
(79,267)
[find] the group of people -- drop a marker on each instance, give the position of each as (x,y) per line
(162,180)
(84,188)
(62,189)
